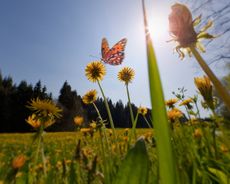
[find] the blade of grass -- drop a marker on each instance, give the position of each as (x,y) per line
(135,167)
(167,166)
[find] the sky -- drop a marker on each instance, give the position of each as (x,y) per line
(54,40)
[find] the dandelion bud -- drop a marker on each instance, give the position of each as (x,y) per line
(18,161)
(181,25)
(204,86)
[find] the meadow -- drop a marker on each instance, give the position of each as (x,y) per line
(79,157)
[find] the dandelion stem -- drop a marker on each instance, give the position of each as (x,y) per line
(43,154)
(108,110)
(129,102)
(197,110)
(133,132)
(219,87)
(103,126)
(38,144)
(147,122)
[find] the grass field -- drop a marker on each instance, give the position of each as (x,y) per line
(68,160)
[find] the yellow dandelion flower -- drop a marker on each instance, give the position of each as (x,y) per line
(93,125)
(45,108)
(204,86)
(142,110)
(186,102)
(181,27)
(174,114)
(126,75)
(197,133)
(90,97)
(18,161)
(171,102)
(95,71)
(33,121)
(48,123)
(78,120)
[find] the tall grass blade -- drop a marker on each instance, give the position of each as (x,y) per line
(167,166)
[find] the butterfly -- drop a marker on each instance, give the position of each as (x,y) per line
(115,55)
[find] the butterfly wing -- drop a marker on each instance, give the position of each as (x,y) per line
(104,48)
(115,55)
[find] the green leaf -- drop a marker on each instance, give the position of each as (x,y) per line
(135,167)
(220,175)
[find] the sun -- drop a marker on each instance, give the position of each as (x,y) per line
(158,25)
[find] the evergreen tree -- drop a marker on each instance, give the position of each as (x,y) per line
(72,106)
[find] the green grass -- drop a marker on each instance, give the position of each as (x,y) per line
(68,163)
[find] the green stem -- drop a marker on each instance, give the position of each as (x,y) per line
(133,132)
(198,111)
(106,170)
(214,132)
(221,90)
(129,102)
(98,112)
(103,126)
(43,154)
(147,122)
(38,144)
(189,117)
(107,108)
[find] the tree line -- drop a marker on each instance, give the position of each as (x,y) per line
(14,98)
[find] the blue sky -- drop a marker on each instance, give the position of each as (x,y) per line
(52,40)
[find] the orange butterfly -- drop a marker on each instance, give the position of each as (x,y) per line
(115,55)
